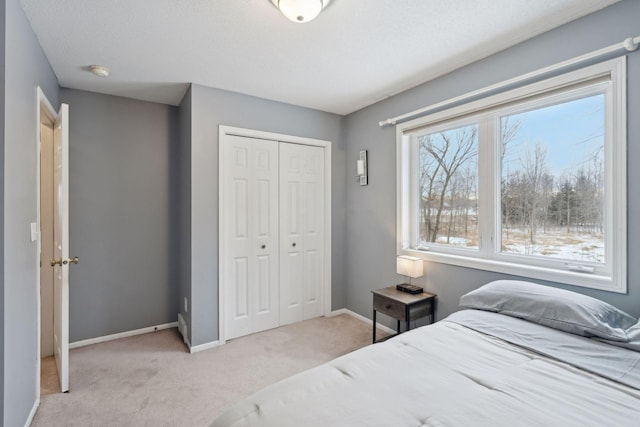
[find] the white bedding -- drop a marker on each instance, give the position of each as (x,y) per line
(441,375)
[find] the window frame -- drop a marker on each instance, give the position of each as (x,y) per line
(456,123)
(486,112)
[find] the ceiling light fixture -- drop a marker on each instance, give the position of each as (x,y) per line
(99,70)
(301,11)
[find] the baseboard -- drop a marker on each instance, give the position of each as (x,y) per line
(202,347)
(32,414)
(126,334)
(361,318)
(339,311)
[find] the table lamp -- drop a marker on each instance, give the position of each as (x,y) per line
(411,267)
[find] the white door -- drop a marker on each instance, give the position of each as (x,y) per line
(250,206)
(61,246)
(301,232)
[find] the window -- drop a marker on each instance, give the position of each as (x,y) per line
(448,182)
(530,182)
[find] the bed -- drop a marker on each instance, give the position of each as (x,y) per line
(517,354)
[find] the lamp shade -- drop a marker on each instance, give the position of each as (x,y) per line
(409,266)
(300,10)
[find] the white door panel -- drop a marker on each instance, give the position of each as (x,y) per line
(302,231)
(313,176)
(251,211)
(264,211)
(238,319)
(291,282)
(61,245)
(272,209)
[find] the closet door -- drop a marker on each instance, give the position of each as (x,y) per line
(251,235)
(301,232)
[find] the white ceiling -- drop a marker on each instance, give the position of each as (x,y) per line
(354,54)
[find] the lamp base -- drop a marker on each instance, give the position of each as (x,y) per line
(410,289)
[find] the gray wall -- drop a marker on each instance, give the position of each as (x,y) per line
(26,67)
(211,108)
(2,101)
(184,207)
(371,211)
(122,214)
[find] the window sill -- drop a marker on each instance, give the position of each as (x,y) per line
(587,280)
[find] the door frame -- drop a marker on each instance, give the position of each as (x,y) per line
(45,113)
(223,131)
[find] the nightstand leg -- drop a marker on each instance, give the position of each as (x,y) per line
(374,326)
(398,327)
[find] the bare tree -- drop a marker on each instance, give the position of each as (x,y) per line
(509,128)
(534,169)
(444,154)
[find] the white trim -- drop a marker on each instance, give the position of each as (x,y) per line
(619,177)
(119,335)
(280,137)
(202,347)
(362,319)
(612,276)
(629,44)
(223,131)
(32,414)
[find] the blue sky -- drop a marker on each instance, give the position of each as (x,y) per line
(570,132)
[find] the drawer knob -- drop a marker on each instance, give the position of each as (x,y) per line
(388,306)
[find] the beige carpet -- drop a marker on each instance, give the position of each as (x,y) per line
(49,382)
(151,380)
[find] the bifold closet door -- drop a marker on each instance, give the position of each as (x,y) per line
(251,235)
(301,232)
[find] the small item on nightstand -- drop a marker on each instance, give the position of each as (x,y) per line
(410,289)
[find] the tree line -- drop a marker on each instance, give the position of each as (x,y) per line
(533,200)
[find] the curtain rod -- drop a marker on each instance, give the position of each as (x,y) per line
(629,45)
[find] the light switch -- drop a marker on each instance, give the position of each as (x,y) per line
(34,232)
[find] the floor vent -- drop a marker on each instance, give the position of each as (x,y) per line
(182,327)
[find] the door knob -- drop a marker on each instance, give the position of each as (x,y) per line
(60,262)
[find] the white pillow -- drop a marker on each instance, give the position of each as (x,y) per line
(556,308)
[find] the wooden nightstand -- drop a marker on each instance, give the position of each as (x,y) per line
(402,306)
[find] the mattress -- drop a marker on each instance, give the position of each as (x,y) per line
(458,372)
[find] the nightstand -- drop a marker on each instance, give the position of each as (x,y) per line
(402,306)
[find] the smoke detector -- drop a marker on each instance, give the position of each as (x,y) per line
(99,70)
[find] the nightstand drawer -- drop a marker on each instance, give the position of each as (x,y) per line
(421,310)
(389,307)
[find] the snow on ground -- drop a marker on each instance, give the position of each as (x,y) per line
(454,241)
(556,244)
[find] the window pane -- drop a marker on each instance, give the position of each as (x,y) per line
(448,187)
(553,181)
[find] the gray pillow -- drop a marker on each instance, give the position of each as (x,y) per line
(556,308)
